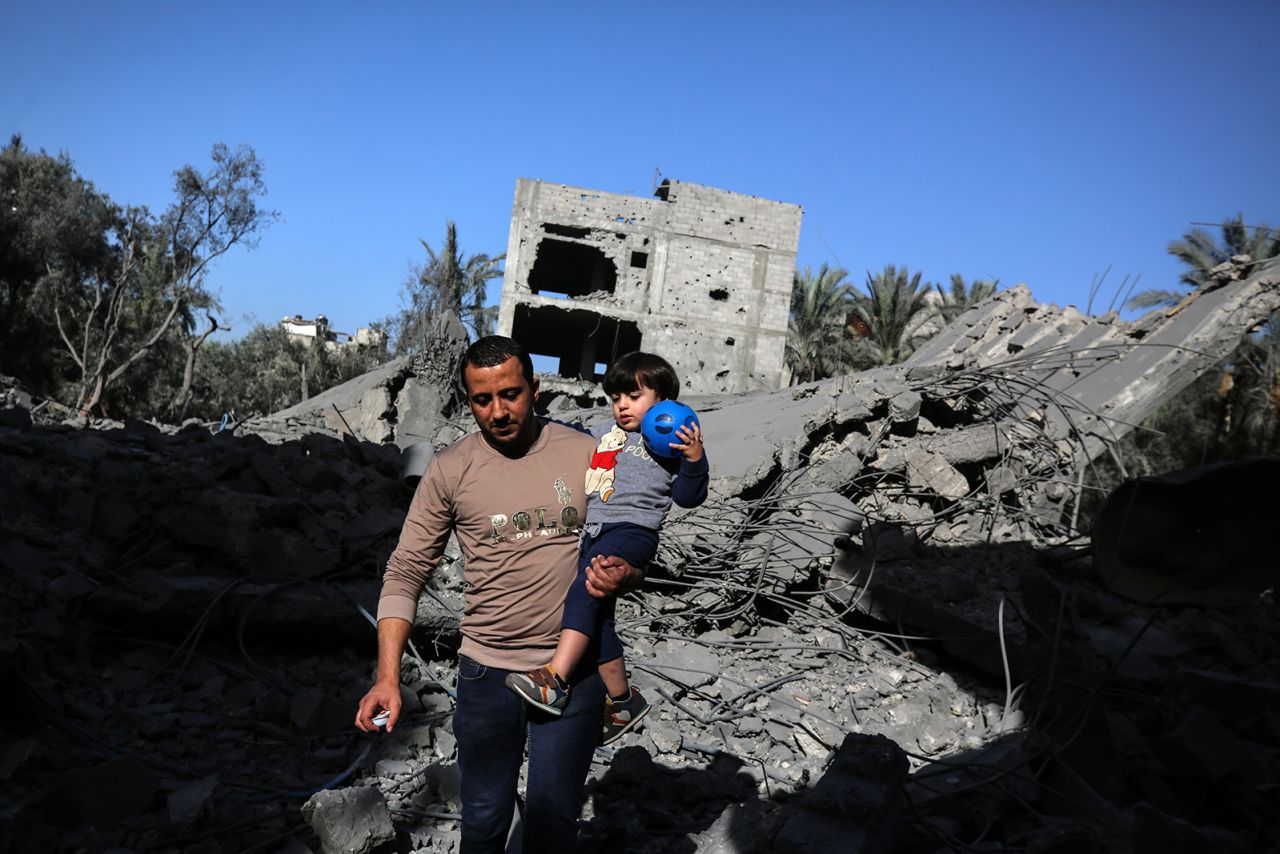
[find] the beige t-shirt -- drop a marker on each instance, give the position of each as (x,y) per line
(517,522)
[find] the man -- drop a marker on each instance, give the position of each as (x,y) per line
(513,494)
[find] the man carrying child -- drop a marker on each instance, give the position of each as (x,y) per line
(513,495)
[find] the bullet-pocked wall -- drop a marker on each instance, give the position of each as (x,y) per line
(698,275)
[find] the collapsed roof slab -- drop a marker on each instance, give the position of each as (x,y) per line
(1064,392)
(975,445)
(1108,374)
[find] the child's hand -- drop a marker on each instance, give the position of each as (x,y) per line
(691,437)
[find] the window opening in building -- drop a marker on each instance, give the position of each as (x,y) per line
(581,342)
(562,268)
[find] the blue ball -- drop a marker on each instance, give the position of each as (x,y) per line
(660,423)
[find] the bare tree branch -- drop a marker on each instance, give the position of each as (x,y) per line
(160,270)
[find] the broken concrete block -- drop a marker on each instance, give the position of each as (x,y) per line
(394,768)
(904,407)
(419,408)
(935,737)
(188,804)
(349,821)
(1000,479)
(839,469)
(665,739)
(687,663)
(446,745)
(434,839)
(808,745)
(927,470)
(852,403)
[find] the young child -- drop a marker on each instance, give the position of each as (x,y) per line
(628,493)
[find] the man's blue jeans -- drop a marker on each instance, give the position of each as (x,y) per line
(491,724)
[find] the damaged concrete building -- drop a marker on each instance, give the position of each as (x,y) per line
(698,274)
(884,630)
(310,330)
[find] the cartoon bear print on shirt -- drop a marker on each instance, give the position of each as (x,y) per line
(604,461)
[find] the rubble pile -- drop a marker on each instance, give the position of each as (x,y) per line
(881,632)
(179,609)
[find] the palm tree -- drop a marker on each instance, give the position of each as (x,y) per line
(891,316)
(446,282)
(1198,250)
(1256,374)
(1249,387)
(818,345)
(958,300)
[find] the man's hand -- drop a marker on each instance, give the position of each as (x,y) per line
(380,697)
(609,576)
(393,633)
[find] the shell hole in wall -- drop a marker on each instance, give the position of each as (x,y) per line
(563,268)
(719,294)
(566,230)
(574,342)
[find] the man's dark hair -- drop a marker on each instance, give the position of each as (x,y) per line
(642,370)
(491,351)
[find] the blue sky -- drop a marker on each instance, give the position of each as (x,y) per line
(1030,142)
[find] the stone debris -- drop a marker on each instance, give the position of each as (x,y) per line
(354,820)
(880,632)
(191,802)
(1103,375)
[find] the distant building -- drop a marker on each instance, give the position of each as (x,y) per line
(310,331)
(698,275)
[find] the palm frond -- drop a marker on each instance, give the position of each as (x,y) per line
(1154,298)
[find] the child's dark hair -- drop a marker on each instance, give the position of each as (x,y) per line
(642,370)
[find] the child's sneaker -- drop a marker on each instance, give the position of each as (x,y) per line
(620,718)
(541,688)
